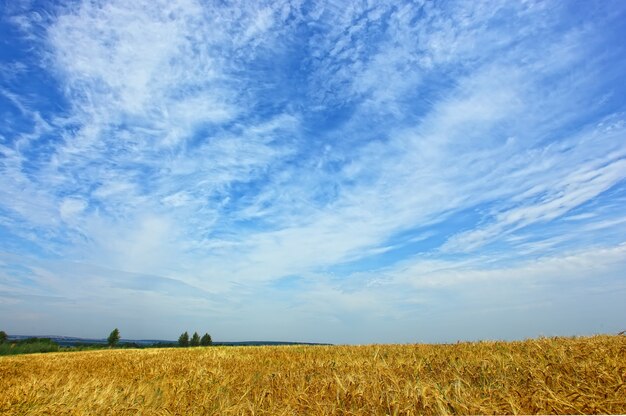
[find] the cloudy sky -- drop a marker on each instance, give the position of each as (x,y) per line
(344,172)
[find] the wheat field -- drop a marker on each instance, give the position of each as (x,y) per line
(547,375)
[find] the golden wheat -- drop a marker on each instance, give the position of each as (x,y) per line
(556,375)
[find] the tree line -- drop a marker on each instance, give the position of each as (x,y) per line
(25,346)
(113,340)
(195,341)
(183,340)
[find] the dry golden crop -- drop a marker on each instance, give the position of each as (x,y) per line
(553,376)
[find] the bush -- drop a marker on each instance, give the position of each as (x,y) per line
(29,346)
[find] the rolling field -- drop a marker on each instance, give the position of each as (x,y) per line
(555,375)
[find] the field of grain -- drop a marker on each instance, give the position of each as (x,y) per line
(556,375)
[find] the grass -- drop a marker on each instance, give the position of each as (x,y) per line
(547,376)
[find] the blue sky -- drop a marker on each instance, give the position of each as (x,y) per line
(345,172)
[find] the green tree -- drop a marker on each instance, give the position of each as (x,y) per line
(183,340)
(114,337)
(206,340)
(3,337)
(195,340)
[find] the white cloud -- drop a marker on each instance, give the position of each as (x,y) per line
(71,207)
(560,195)
(563,267)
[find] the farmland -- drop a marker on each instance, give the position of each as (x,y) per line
(546,375)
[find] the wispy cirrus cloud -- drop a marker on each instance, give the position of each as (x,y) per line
(326,152)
